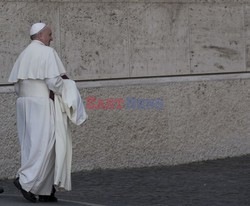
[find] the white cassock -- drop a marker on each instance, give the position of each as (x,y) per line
(37,70)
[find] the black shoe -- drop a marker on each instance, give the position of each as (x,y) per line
(27,195)
(48,198)
(1,190)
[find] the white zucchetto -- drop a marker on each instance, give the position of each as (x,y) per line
(36,28)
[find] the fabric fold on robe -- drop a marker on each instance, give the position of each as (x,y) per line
(69,106)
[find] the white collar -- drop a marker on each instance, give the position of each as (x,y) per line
(39,42)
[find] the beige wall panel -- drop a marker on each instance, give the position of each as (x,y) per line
(113,40)
(15,21)
(217,39)
(135,1)
(94,40)
(10,150)
(158,39)
(247,29)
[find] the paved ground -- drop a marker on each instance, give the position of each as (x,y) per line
(221,182)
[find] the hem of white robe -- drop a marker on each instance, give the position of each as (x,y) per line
(29,189)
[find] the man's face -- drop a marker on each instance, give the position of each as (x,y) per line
(46,36)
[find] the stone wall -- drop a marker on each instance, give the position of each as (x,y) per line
(200,119)
(125,39)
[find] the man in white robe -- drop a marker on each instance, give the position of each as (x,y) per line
(37,74)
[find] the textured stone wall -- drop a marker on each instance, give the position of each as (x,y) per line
(199,120)
(133,38)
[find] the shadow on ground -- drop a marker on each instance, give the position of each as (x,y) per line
(218,182)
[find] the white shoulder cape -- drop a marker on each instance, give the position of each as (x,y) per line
(69,106)
(37,61)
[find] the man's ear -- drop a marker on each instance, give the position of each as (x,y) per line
(39,36)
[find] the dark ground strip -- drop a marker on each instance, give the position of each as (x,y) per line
(218,182)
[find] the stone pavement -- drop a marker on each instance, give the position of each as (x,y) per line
(218,182)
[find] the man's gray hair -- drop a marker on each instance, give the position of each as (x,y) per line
(34,36)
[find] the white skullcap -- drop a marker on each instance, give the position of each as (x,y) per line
(36,28)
